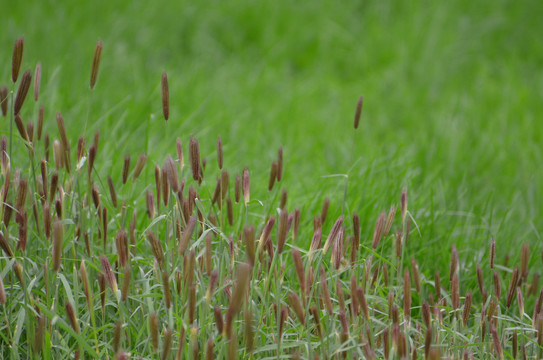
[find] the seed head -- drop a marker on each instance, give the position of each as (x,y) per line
(282,231)
(96,63)
(403,202)
(246,186)
(273,176)
(21,128)
(4,100)
(280,164)
(142,159)
(455,292)
(512,286)
(333,234)
(108,273)
(358,112)
(324,211)
(249,239)
(153,330)
(40,123)
(171,172)
(112,192)
(378,230)
(156,247)
(17,58)
(165,96)
(71,316)
(183,243)
(194,153)
(219,152)
(296,305)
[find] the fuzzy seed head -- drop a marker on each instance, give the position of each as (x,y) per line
(96,63)
(358,112)
(165,96)
(4,100)
(17,58)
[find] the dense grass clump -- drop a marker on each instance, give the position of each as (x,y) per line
(173,257)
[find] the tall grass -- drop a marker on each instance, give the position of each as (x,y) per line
(186,265)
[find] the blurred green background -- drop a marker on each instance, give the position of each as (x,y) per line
(452,101)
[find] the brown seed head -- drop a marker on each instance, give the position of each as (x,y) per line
(358,112)
(171,171)
(378,230)
(218,319)
(333,234)
(403,202)
(153,330)
(40,123)
(165,96)
(37,81)
(337,249)
(512,286)
(296,305)
(520,301)
(17,58)
(180,158)
(280,164)
(96,63)
(282,231)
(126,283)
(416,274)
(5,245)
(219,152)
(112,192)
(21,128)
(142,159)
(496,341)
(455,292)
(126,168)
(324,211)
(187,234)
(246,186)
(156,247)
(480,280)
(71,316)
(249,239)
(62,131)
(273,176)
(108,273)
(4,100)
(194,153)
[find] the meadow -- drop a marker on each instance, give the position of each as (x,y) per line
(315,180)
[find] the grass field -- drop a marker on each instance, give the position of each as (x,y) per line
(452,93)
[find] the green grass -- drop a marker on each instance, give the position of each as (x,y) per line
(452,94)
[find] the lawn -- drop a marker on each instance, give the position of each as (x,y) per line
(451,93)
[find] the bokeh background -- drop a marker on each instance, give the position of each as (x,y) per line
(452,101)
